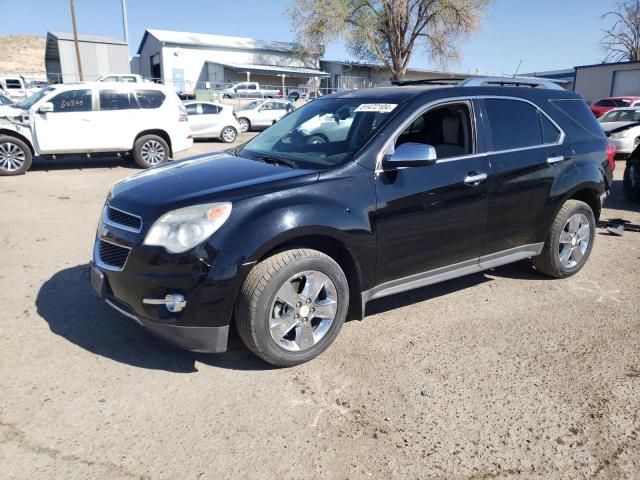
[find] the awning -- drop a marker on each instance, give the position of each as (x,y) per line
(275,70)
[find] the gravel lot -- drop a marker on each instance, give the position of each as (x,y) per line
(505,374)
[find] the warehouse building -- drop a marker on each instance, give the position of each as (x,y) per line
(608,80)
(99,56)
(191,61)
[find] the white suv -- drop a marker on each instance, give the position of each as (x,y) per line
(146,120)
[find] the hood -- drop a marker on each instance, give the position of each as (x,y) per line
(202,179)
(612,127)
(10,111)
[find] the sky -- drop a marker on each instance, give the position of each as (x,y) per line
(544,34)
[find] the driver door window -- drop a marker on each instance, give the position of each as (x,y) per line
(447,128)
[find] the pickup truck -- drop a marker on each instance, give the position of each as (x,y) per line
(15,87)
(249,90)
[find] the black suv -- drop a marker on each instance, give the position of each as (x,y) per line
(352,197)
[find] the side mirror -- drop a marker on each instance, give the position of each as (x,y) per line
(412,155)
(46,107)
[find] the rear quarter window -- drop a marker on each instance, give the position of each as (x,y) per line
(580,116)
(150,98)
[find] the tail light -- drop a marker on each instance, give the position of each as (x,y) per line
(611,155)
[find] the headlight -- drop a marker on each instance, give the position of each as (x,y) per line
(622,134)
(183,229)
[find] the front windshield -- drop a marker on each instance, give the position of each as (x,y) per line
(251,105)
(621,116)
(28,102)
(323,133)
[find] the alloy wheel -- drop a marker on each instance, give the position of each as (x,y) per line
(12,157)
(229,134)
(153,152)
(574,240)
(303,311)
(244,125)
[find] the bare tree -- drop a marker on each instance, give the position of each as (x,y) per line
(621,42)
(388,30)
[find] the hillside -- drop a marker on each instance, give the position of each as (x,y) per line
(22,54)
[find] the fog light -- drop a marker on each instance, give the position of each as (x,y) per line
(173,302)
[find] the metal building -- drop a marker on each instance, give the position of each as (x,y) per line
(99,56)
(608,80)
(188,61)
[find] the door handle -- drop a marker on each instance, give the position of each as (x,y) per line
(474,179)
(556,159)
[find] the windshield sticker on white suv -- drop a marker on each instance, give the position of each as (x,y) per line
(376,107)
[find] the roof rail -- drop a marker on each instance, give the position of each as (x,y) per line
(454,81)
(531,82)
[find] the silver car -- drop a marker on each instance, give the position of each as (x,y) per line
(262,113)
(212,120)
(622,126)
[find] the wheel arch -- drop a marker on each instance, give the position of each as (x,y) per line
(160,133)
(590,196)
(338,251)
(12,133)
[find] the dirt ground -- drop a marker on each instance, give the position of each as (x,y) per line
(505,374)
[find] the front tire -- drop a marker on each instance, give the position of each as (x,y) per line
(292,306)
(631,181)
(150,150)
(569,242)
(15,156)
(245,124)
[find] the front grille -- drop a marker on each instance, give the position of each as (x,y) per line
(123,218)
(112,255)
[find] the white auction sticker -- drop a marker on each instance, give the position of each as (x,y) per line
(376,107)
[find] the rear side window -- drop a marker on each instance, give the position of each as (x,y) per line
(150,98)
(550,134)
(72,101)
(514,124)
(210,109)
(13,83)
(192,109)
(605,103)
(578,111)
(115,100)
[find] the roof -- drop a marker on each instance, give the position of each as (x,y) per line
(274,69)
(348,63)
(406,93)
(208,40)
(607,64)
(85,38)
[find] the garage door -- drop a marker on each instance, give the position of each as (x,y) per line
(626,82)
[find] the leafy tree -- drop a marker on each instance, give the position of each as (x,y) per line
(388,30)
(621,42)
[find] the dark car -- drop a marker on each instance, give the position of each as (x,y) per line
(292,233)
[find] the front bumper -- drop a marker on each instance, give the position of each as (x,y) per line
(195,338)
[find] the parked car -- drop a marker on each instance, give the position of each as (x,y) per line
(631,177)
(123,78)
(15,87)
(622,126)
(146,120)
(211,120)
(249,90)
(262,113)
(601,107)
(289,236)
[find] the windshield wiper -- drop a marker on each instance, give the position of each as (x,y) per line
(277,161)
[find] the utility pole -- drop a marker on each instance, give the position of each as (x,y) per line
(124,22)
(75,38)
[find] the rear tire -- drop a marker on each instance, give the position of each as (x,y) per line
(150,150)
(15,156)
(228,135)
(292,306)
(569,242)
